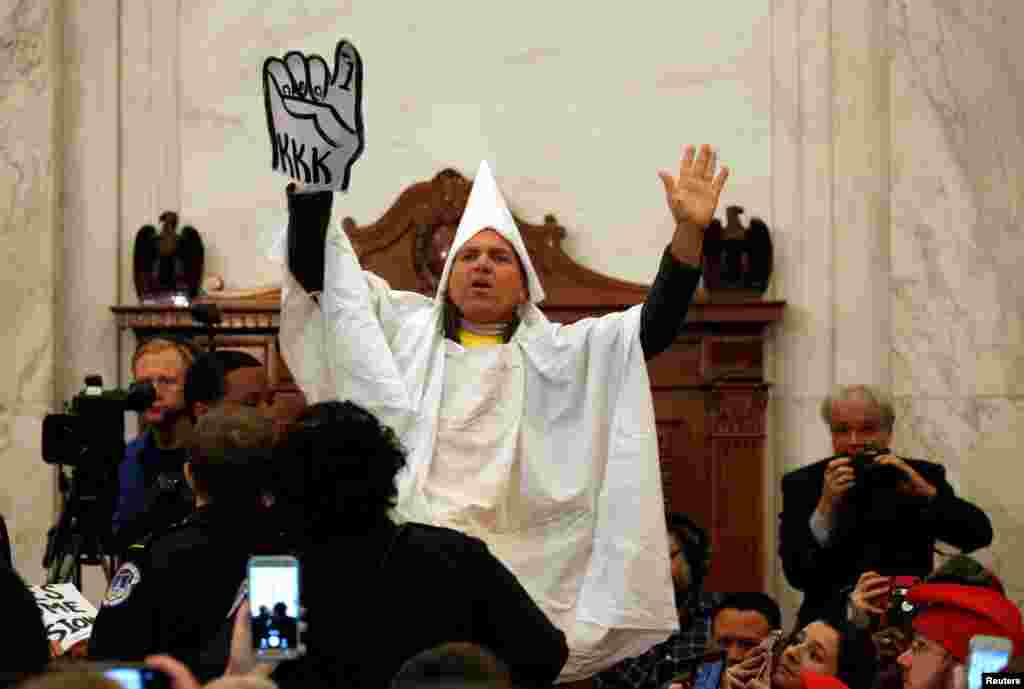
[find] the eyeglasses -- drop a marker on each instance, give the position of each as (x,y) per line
(161,381)
(920,645)
(864,429)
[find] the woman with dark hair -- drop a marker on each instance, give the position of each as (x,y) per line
(376,592)
(834,648)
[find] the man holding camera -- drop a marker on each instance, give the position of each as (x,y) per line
(865,509)
(151,487)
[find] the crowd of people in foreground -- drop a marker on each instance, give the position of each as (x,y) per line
(471,495)
(409,605)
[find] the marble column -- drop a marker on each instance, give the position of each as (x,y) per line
(30,231)
(92,183)
(802,204)
(897,190)
(958,247)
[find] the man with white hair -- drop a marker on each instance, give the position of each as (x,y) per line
(865,509)
(536,437)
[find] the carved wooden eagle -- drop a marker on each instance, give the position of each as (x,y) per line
(168,262)
(737,257)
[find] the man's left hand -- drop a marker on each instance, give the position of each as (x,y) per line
(693,198)
(915,483)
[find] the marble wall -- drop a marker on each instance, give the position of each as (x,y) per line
(957,195)
(880,139)
(30,232)
(898,177)
(576,122)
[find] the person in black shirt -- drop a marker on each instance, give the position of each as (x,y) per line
(376,592)
(177,589)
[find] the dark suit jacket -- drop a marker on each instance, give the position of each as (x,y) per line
(883,531)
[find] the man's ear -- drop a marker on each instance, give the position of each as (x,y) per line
(199,409)
(956,678)
(189,479)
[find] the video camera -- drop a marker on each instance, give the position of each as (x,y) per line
(92,432)
(87,442)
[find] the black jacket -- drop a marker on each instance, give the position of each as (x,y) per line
(884,531)
(378,597)
(175,591)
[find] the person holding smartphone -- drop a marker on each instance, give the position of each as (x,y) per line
(176,591)
(956,624)
(376,593)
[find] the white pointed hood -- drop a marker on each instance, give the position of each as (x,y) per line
(486,209)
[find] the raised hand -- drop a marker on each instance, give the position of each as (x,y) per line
(693,197)
(315,115)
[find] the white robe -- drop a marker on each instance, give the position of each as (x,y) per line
(545,447)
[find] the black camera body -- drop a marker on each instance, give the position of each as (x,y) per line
(91,433)
(870,475)
(88,444)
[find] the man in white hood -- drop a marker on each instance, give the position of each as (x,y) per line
(535,437)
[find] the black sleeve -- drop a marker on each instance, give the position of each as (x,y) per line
(951,519)
(512,625)
(667,301)
(805,562)
(309,216)
(125,625)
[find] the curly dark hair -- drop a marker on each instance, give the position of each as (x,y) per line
(336,468)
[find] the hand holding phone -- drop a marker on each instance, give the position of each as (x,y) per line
(274,606)
(987,654)
(133,675)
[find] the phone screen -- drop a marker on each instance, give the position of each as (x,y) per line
(137,677)
(274,605)
(708,675)
(985,659)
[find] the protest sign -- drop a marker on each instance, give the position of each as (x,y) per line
(67,615)
(315,116)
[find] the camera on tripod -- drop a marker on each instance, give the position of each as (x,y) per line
(92,432)
(88,443)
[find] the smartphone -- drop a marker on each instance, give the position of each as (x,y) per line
(709,674)
(133,675)
(691,668)
(987,654)
(898,587)
(274,606)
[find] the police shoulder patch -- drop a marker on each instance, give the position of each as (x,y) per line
(122,584)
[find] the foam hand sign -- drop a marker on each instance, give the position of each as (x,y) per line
(315,115)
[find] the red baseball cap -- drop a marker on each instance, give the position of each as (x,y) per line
(952,613)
